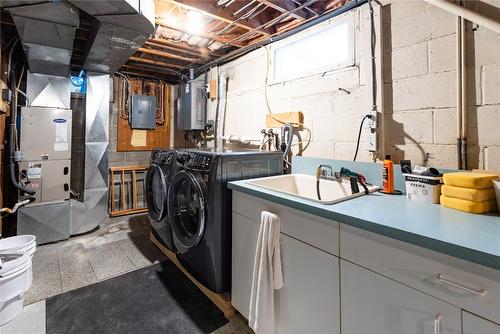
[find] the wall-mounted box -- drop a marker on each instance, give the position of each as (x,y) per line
(192,106)
(143,114)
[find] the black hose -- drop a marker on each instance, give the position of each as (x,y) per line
(317,190)
(12,133)
(359,135)
(373,63)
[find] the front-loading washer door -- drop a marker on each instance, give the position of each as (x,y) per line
(186,209)
(156,192)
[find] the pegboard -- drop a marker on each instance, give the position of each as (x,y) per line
(143,140)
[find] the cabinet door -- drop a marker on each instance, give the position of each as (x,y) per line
(309,300)
(475,325)
(245,232)
(375,304)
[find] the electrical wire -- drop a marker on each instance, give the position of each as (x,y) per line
(268,107)
(124,103)
(359,135)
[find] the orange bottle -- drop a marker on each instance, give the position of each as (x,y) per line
(388,175)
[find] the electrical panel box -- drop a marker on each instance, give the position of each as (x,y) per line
(143,115)
(192,106)
(45,133)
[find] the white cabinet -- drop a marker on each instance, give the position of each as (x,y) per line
(309,299)
(375,304)
(245,232)
(476,325)
(468,285)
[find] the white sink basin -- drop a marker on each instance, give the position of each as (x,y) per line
(304,186)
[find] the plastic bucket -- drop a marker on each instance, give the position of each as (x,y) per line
(496,185)
(15,278)
(18,244)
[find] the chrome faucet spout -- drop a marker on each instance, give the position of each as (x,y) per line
(324,171)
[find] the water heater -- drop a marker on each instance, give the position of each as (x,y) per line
(191,106)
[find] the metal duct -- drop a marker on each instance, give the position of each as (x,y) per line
(46,31)
(90,213)
(124,27)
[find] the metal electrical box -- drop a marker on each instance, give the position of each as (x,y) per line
(143,115)
(192,106)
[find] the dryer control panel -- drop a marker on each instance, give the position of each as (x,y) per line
(194,161)
(200,162)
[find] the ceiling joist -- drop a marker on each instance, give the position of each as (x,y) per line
(210,9)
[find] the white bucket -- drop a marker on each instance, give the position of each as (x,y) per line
(15,276)
(18,244)
(496,185)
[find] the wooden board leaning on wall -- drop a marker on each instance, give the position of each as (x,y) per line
(133,140)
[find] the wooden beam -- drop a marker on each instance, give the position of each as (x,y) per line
(210,8)
(285,6)
(151,75)
(169,55)
(155,63)
(153,69)
(164,44)
(220,39)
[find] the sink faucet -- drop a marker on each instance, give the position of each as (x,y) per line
(324,172)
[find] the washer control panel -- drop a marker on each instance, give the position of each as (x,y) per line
(162,157)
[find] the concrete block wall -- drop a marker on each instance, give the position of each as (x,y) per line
(418,42)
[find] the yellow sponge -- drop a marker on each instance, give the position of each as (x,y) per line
(468,206)
(469,180)
(474,195)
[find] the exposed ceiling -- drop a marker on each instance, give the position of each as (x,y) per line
(193,33)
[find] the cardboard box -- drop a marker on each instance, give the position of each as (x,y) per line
(423,188)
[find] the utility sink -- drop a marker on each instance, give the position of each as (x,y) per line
(304,186)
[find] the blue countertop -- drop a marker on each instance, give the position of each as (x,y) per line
(471,237)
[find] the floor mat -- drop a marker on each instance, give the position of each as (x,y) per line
(155,299)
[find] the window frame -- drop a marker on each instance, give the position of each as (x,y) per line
(316,30)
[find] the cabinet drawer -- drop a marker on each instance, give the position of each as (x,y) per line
(372,303)
(465,284)
(475,325)
(316,231)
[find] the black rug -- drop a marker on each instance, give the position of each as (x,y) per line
(155,299)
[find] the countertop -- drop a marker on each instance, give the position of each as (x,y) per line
(471,237)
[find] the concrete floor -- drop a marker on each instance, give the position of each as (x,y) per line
(120,245)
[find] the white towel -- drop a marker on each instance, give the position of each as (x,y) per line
(267,275)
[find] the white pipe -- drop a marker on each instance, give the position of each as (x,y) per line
(463,94)
(459,92)
(467,14)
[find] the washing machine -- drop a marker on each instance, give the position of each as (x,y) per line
(199,207)
(158,179)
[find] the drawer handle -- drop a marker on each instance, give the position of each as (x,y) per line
(437,324)
(480,292)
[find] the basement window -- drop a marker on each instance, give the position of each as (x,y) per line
(318,51)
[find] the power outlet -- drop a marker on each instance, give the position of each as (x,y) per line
(371,140)
(371,134)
